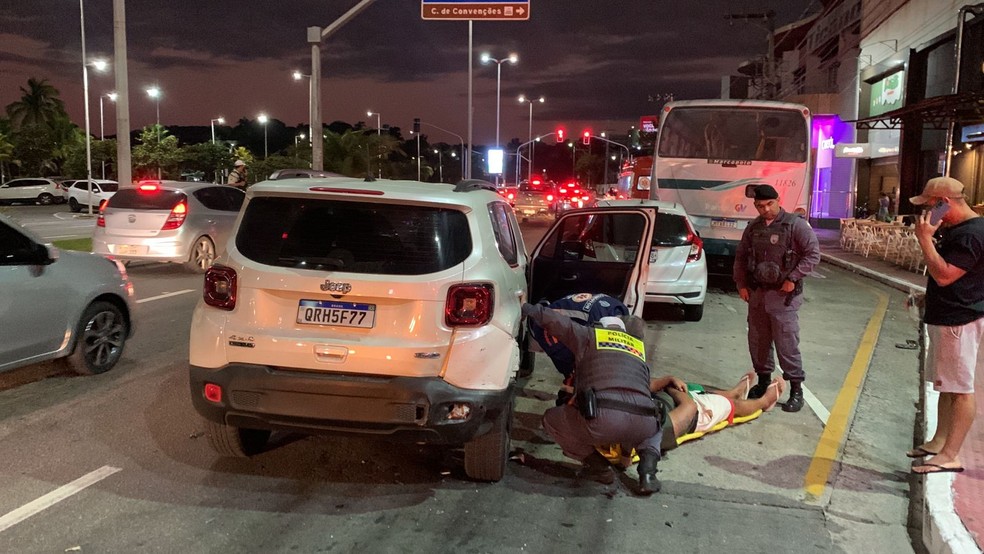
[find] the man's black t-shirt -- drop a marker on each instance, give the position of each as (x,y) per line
(963,301)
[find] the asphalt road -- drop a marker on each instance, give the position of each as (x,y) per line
(118,462)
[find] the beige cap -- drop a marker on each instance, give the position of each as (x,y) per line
(239,163)
(939,187)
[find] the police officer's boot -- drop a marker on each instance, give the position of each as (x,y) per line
(648,483)
(759,389)
(596,468)
(795,402)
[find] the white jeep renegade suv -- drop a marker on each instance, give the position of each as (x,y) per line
(386,308)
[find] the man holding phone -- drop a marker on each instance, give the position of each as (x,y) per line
(954,316)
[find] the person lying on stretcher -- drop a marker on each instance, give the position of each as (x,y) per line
(695,409)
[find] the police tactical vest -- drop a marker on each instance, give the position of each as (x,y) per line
(615,360)
(772,257)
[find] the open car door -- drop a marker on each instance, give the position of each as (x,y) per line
(596,250)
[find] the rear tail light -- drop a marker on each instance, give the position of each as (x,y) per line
(549,198)
(469,305)
(510,196)
(696,246)
(220,287)
(177,217)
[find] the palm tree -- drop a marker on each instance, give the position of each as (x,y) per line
(39,105)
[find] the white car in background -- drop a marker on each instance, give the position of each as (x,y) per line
(677,264)
(78,197)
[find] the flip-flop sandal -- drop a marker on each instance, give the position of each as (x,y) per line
(937,468)
(747,379)
(909,344)
(919,452)
(780,385)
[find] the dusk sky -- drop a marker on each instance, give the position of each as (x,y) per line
(596,62)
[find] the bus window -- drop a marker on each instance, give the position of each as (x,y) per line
(734,134)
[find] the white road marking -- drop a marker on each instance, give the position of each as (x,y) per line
(165,295)
(10,519)
(814,403)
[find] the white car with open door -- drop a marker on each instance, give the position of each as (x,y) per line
(388,308)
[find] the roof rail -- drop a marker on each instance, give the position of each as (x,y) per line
(467,185)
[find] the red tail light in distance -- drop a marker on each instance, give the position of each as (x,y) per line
(220,287)
(469,305)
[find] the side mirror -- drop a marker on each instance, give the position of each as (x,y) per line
(46,254)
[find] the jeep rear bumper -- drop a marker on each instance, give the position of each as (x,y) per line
(415,409)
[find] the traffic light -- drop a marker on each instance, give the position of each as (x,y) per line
(586,138)
(416,125)
(560,136)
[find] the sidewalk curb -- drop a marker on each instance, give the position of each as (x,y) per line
(942,530)
(899,284)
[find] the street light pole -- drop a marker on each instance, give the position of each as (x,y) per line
(379,131)
(262,118)
(523,98)
(85,93)
(486,58)
(102,131)
(464,168)
(220,120)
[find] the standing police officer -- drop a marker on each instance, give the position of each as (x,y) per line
(612,403)
(776,251)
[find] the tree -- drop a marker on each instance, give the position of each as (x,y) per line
(33,150)
(157,155)
(39,105)
(6,156)
(207,158)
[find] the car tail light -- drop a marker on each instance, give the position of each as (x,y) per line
(563,191)
(549,198)
(696,246)
(177,217)
(220,287)
(510,196)
(149,186)
(469,305)
(213,393)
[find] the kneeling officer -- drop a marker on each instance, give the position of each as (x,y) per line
(612,402)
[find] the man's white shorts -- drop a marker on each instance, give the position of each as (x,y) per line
(954,354)
(711,410)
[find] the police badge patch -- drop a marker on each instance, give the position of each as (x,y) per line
(774,239)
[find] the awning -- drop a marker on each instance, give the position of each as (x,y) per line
(936,112)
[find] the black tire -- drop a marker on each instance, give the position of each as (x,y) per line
(235,442)
(202,255)
(694,312)
(485,456)
(73,205)
(99,339)
(46,199)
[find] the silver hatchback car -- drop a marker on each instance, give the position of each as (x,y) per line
(168,221)
(60,304)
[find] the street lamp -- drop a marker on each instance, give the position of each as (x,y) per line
(486,58)
(297,138)
(460,138)
(313,115)
(379,155)
(262,118)
(522,99)
(220,120)
(102,130)
(440,163)
(99,65)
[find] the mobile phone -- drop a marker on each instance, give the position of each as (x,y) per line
(937,211)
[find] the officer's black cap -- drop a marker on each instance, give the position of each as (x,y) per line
(765,192)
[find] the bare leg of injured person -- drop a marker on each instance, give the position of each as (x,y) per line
(683,415)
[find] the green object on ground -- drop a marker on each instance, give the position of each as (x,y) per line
(84,245)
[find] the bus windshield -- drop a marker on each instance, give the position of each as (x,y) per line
(763,135)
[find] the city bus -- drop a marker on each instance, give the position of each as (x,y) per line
(710,154)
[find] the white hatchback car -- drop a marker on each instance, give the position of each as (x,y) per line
(677,264)
(389,308)
(78,195)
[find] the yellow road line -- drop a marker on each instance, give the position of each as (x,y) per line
(832,438)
